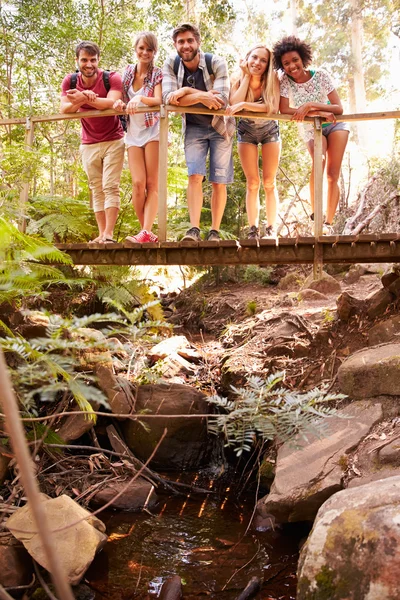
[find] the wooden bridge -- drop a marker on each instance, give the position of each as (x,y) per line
(369,248)
(315,250)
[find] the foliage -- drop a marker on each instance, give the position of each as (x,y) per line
(264,410)
(251,307)
(255,274)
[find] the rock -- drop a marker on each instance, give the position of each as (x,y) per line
(312,295)
(326,284)
(290,281)
(371,372)
(140,493)
(251,589)
(354,273)
(306,475)
(348,306)
(74,426)
(353,551)
(190,354)
(75,546)
(171,589)
(4,462)
(385,331)
(390,454)
(33,325)
(118,390)
(394,287)
(174,364)
(16,565)
(377,302)
(167,347)
(378,268)
(187,443)
(389,278)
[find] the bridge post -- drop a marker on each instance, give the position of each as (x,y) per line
(318,216)
(162,175)
(29,136)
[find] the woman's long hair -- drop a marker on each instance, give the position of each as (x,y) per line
(151,40)
(267,81)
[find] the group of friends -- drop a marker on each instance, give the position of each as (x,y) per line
(268,81)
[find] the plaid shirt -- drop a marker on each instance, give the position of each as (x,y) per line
(149,83)
(220,82)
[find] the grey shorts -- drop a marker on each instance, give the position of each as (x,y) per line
(250,132)
(335,127)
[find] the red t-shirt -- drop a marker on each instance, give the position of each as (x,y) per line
(98,129)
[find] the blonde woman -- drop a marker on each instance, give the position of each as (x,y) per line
(256,88)
(141,86)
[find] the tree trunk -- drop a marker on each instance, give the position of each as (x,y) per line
(358,90)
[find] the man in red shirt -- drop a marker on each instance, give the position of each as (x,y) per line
(102,148)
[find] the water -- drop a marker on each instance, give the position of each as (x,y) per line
(201,539)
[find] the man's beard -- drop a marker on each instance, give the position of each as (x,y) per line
(190,57)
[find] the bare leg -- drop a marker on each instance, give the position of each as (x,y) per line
(101,224)
(310,146)
(218,203)
(248,154)
(111,215)
(270,161)
(195,199)
(151,203)
(337,141)
(137,167)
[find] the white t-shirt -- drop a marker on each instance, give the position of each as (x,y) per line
(315,89)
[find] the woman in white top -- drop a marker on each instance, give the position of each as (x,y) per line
(306,92)
(256,88)
(141,85)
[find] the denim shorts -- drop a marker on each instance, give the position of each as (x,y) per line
(198,141)
(253,132)
(335,127)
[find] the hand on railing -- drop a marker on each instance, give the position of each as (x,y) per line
(119,105)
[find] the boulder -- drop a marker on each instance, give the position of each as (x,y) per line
(119,391)
(16,565)
(139,494)
(171,589)
(353,551)
(76,546)
(348,306)
(168,346)
(389,278)
(173,365)
(312,295)
(377,302)
(307,473)
(354,273)
(390,454)
(326,284)
(187,444)
(394,287)
(371,372)
(385,331)
(74,426)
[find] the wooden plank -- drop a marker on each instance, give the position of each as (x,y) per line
(318,254)
(163,176)
(24,195)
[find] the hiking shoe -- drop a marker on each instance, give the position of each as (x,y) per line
(213,236)
(327,229)
(270,232)
(254,233)
(192,235)
(142,237)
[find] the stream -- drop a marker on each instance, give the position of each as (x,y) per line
(201,539)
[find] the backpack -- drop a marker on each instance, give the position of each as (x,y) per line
(208,56)
(106,81)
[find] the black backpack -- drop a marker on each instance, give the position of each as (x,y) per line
(106,81)
(208,56)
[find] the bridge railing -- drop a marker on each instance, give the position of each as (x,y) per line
(165,110)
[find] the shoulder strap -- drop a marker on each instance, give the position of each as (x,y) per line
(176,64)
(208,56)
(74,79)
(106,80)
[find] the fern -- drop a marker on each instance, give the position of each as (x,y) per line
(264,410)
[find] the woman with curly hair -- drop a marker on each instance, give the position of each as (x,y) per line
(141,86)
(256,88)
(308,92)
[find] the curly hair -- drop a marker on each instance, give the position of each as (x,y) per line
(291,43)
